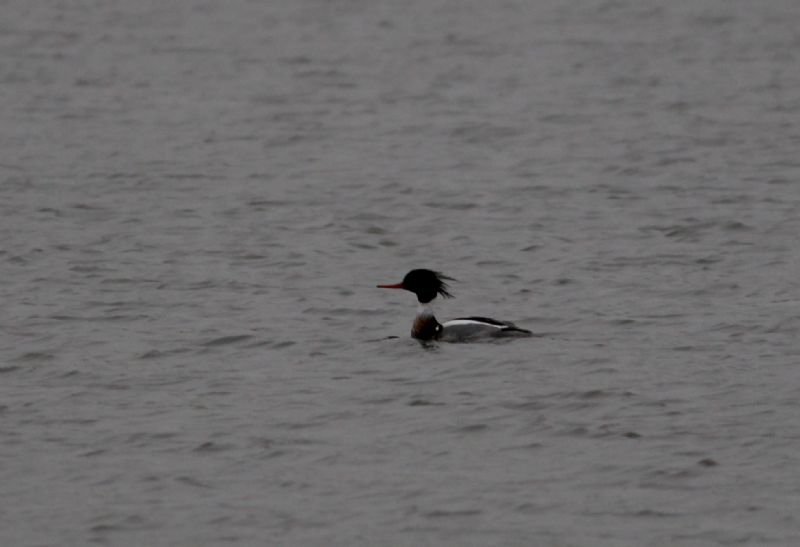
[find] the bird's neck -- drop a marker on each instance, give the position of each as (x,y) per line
(425,309)
(425,326)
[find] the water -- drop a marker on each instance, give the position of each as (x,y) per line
(198,198)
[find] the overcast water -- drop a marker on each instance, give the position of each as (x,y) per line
(197,199)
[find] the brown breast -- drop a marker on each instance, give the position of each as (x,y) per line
(425,327)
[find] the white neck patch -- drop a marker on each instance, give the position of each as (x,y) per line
(424,309)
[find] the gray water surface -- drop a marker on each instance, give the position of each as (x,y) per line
(197,200)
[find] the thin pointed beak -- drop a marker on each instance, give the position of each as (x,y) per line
(395,286)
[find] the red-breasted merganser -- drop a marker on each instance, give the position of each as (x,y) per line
(427,285)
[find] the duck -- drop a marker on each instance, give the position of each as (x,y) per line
(427,285)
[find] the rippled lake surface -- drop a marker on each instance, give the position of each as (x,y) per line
(198,198)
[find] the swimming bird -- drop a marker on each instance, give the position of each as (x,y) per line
(427,285)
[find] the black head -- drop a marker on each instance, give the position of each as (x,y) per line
(426,284)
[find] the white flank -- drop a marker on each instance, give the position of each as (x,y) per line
(458,322)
